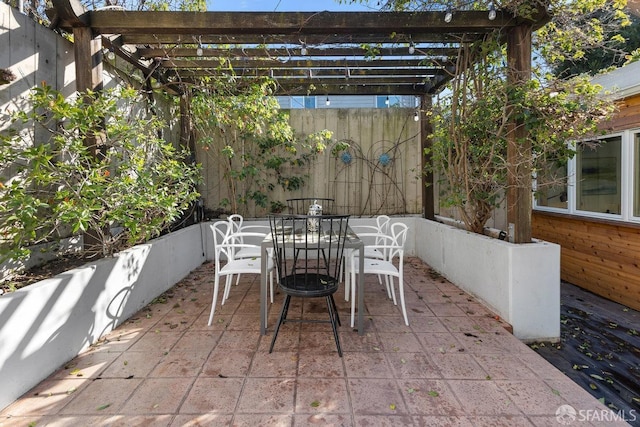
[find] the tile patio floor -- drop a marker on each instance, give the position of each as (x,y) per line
(456,365)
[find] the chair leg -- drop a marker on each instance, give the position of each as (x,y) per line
(332,316)
(216,284)
(391,286)
(227,288)
(271,285)
(402,304)
(283,316)
(353,294)
(335,309)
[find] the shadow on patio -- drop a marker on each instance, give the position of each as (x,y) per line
(456,365)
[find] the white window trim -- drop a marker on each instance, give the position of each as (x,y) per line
(627,141)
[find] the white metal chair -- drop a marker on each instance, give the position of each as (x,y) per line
(227,245)
(308,262)
(393,247)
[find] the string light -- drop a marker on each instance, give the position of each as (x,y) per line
(110,54)
(199,50)
(412,48)
(492,12)
(416,116)
(327,102)
(386,101)
(303,49)
(448,16)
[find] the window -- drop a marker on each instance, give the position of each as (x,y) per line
(302,102)
(598,171)
(309,102)
(551,189)
(386,101)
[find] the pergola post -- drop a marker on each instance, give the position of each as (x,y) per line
(88,56)
(88,62)
(519,155)
(426,129)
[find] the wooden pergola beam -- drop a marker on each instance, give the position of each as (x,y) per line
(279,51)
(293,23)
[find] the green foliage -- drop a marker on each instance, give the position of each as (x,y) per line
(249,136)
(97,166)
(473,121)
(624,43)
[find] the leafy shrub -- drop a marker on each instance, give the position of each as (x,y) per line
(95,164)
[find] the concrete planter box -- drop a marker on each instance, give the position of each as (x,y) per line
(44,325)
(519,282)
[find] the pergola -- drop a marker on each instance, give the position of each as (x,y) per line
(310,53)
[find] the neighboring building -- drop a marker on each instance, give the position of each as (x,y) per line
(595,216)
(348,101)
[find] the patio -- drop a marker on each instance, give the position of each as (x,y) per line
(455,365)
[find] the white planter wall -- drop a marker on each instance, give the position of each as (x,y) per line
(519,282)
(46,324)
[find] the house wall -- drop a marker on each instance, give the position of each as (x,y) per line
(598,255)
(627,116)
(602,254)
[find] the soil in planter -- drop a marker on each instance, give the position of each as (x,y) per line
(44,271)
(599,349)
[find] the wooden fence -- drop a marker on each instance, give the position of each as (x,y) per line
(379,174)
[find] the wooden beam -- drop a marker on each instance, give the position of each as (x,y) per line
(519,154)
(158,40)
(88,60)
(279,51)
(283,63)
(296,23)
(318,72)
(428,187)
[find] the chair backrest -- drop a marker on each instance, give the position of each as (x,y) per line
(383,221)
(300,206)
(235,220)
(303,255)
(221,231)
(398,233)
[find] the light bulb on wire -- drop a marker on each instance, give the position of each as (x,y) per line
(492,12)
(199,51)
(412,48)
(327,102)
(448,16)
(416,116)
(303,49)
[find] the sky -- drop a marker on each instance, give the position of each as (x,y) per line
(282,6)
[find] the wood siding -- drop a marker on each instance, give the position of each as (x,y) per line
(598,255)
(627,116)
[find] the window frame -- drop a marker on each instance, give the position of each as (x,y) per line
(629,157)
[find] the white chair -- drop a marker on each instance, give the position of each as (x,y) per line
(393,247)
(227,244)
(236,223)
(370,250)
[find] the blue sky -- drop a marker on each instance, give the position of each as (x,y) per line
(282,6)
